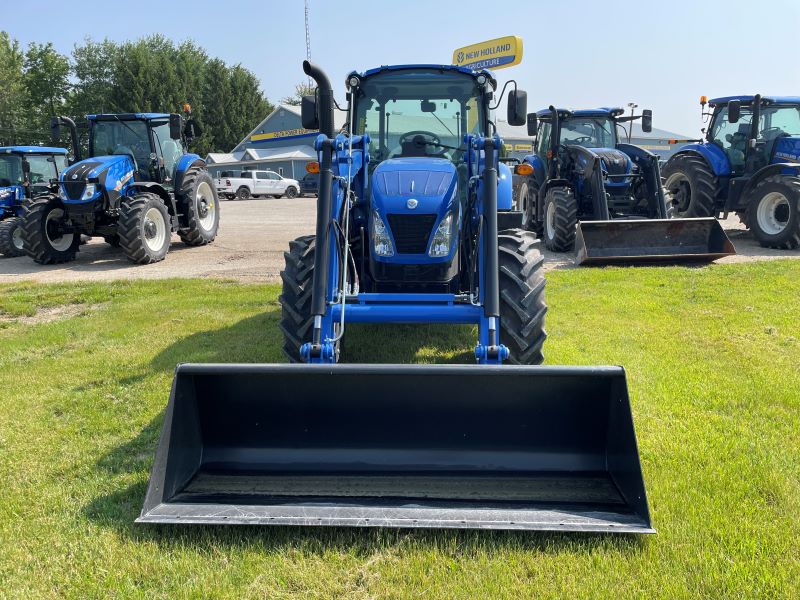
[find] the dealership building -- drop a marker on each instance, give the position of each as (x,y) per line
(279,143)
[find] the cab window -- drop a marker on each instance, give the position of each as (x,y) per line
(732,137)
(43,169)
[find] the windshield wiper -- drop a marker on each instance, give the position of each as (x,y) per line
(128,127)
(443,125)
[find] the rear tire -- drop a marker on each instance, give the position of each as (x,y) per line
(560,219)
(144,228)
(11,243)
(691,185)
(41,238)
(112,240)
(295,300)
(243,193)
(522,305)
(773,212)
(199,203)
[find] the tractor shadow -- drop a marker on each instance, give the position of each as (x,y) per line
(258,339)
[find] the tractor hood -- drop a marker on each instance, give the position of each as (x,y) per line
(413,186)
(86,180)
(412,197)
(9,195)
(787,149)
(614,162)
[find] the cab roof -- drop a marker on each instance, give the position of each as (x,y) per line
(790,100)
(564,113)
(31,150)
(128,117)
(455,68)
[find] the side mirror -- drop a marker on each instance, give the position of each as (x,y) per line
(175,126)
(734,111)
(517,107)
(533,124)
(55,130)
(308,112)
(192,130)
(647,120)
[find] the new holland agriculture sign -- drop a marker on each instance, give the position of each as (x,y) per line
(494,54)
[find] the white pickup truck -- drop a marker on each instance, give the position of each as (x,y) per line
(252,184)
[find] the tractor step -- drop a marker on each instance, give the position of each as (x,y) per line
(507,447)
(627,241)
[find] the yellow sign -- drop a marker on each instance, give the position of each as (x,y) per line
(522,147)
(494,54)
(280,134)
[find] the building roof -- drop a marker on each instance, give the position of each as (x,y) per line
(224,157)
(31,150)
(300,152)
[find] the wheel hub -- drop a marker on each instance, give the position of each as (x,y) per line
(202,209)
(773,213)
(150,229)
(16,238)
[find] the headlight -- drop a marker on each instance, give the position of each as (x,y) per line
(88,192)
(62,193)
(440,246)
(381,240)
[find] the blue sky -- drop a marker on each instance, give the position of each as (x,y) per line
(580,53)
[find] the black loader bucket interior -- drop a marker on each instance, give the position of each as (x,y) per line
(651,240)
(537,448)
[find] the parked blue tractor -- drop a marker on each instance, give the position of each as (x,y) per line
(137,187)
(584,188)
(26,172)
(748,163)
(414,225)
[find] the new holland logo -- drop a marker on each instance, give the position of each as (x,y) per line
(412,203)
(122,181)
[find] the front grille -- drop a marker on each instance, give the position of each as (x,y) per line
(74,189)
(411,232)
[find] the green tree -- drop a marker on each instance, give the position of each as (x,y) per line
(300,90)
(249,106)
(46,77)
(14,101)
(94,68)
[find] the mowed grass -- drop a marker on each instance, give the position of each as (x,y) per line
(713,362)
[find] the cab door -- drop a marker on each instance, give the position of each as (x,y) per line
(262,183)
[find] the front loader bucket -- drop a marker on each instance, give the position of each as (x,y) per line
(504,447)
(651,240)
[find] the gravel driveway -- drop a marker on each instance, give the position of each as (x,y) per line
(253,235)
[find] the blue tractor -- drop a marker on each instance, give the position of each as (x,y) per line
(26,172)
(414,225)
(137,186)
(583,187)
(749,163)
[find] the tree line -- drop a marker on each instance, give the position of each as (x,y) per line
(152,74)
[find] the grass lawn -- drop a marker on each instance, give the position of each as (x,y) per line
(713,362)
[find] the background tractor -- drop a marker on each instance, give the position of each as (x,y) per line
(749,163)
(137,186)
(582,184)
(26,172)
(414,225)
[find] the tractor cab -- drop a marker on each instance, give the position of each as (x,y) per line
(26,171)
(775,134)
(154,142)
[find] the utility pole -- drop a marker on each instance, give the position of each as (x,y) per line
(633,106)
(308,40)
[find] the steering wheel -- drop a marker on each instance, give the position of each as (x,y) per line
(581,140)
(421,141)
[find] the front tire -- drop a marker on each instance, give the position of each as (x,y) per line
(295,300)
(144,228)
(11,242)
(560,219)
(691,186)
(291,192)
(522,305)
(200,205)
(773,213)
(43,238)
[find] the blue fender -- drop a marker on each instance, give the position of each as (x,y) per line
(783,169)
(505,194)
(539,168)
(714,155)
(184,164)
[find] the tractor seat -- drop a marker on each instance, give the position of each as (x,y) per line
(415,147)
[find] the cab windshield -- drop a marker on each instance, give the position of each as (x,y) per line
(10,170)
(419,113)
(129,137)
(595,132)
